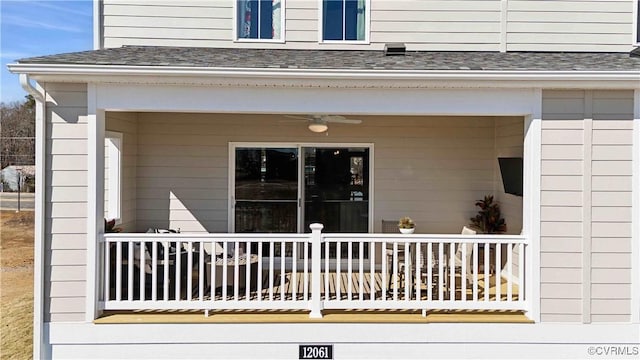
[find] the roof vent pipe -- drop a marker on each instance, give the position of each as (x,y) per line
(395,49)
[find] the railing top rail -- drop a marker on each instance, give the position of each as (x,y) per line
(221,237)
(426,238)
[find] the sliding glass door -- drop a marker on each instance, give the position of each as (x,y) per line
(266,190)
(336,189)
(275,190)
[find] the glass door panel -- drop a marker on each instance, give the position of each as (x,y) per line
(266,190)
(336,189)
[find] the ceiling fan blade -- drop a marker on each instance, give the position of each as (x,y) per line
(346,121)
(297,117)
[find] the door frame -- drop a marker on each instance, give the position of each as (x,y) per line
(298,145)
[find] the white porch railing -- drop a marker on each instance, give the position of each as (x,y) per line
(313,271)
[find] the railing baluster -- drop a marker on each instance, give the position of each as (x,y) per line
(498,279)
(130,271)
(189,270)
(384,260)
(429,284)
(441,274)
(475,271)
(395,271)
(201,266)
(154,272)
(361,270)
(487,265)
(349,269)
(213,278)
(259,294)
(224,270)
(294,280)
(372,271)
(407,272)
(236,269)
(247,272)
(165,278)
(119,271)
(178,267)
(327,294)
(143,265)
(338,260)
(452,271)
(107,273)
(305,285)
(282,270)
(463,271)
(417,281)
(272,255)
(509,272)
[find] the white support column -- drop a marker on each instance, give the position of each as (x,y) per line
(95,198)
(316,258)
(39,349)
(635,238)
(531,203)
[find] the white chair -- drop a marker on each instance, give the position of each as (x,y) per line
(395,279)
(458,260)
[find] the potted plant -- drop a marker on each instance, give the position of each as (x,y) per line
(406,225)
(110,226)
(489,220)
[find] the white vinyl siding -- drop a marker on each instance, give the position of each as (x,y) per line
(429,25)
(569,25)
(65,212)
(567,228)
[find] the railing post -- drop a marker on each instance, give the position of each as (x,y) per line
(316,258)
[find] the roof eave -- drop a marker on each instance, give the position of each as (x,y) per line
(92,73)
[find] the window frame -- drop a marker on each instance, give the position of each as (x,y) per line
(113,144)
(238,39)
(231,178)
(367,26)
(636,23)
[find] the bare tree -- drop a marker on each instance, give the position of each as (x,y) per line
(17,133)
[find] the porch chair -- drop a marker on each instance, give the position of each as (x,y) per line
(391,227)
(455,264)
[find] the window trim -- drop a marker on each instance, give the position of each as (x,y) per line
(281,40)
(636,23)
(367,27)
(114,143)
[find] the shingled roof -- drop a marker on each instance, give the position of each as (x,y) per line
(343,59)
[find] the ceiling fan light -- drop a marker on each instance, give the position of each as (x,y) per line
(318,127)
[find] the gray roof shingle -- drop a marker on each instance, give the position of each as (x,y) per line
(343,59)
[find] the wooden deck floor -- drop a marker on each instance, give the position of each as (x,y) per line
(345,316)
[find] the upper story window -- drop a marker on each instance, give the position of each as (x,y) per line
(637,23)
(259,19)
(344,20)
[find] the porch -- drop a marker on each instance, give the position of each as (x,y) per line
(291,272)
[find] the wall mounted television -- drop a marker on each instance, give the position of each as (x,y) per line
(511,170)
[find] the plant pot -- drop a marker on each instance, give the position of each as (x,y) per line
(407,231)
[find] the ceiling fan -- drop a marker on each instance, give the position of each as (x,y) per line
(319,123)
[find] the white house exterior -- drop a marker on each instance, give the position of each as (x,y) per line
(156,127)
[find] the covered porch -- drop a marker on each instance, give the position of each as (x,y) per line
(181,171)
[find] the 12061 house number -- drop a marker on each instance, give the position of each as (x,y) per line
(315,352)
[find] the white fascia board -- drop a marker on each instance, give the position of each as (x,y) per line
(627,79)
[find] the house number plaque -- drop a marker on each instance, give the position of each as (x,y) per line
(315,352)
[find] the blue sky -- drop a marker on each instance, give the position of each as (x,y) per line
(33,28)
